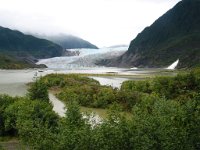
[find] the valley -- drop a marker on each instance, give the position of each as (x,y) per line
(60,91)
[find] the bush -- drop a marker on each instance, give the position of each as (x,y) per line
(104,97)
(182,87)
(162,124)
(5,101)
(140,86)
(38,91)
(34,121)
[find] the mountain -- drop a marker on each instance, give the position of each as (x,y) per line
(24,50)
(174,35)
(18,44)
(69,41)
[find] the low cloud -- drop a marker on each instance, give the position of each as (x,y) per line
(102,22)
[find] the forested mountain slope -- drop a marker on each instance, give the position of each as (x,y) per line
(174,35)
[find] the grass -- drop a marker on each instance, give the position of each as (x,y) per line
(11,143)
(7,138)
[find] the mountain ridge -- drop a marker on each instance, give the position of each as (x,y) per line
(16,41)
(19,48)
(176,34)
(68,41)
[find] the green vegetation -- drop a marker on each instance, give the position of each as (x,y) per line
(164,114)
(174,35)
(9,62)
(85,91)
(182,87)
(32,121)
(38,90)
(89,93)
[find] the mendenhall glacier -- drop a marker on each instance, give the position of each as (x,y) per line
(85,58)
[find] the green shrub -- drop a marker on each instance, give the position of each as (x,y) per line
(34,121)
(5,101)
(38,91)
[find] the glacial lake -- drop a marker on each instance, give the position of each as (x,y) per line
(14,82)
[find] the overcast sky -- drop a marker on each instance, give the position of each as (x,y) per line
(102,22)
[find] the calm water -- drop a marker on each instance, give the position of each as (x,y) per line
(110,81)
(13,82)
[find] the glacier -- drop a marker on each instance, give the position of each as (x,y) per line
(86,58)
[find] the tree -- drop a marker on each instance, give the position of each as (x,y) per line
(35,122)
(74,132)
(5,101)
(38,91)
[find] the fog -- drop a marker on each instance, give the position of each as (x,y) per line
(102,22)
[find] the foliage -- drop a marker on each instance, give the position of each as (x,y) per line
(38,91)
(74,131)
(35,118)
(85,91)
(112,135)
(62,80)
(9,62)
(5,101)
(141,86)
(182,87)
(162,124)
(73,115)
(165,115)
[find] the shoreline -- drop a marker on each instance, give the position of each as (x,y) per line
(14,82)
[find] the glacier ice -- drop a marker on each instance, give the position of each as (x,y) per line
(86,58)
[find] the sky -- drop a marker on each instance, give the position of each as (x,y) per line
(101,22)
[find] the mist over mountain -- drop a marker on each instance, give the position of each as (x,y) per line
(174,35)
(19,48)
(115,46)
(68,41)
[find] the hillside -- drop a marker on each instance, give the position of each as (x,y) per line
(174,35)
(69,41)
(8,62)
(16,47)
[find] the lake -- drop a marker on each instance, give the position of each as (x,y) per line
(14,82)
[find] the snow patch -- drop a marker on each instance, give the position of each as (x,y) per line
(173,66)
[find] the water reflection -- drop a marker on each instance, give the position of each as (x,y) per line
(110,81)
